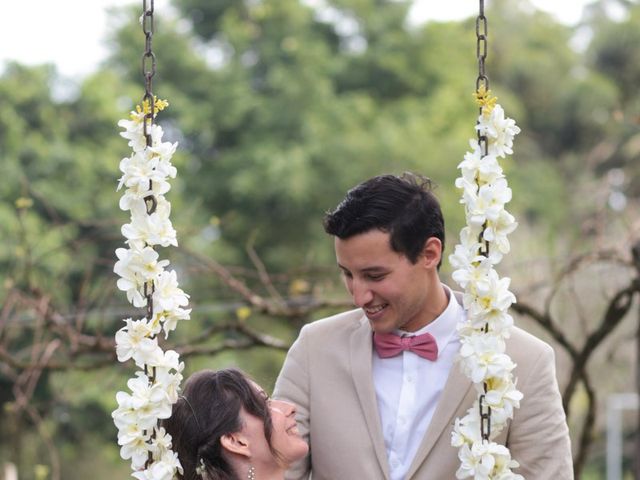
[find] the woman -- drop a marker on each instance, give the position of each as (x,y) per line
(224,427)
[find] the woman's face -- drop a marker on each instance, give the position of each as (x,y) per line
(285,439)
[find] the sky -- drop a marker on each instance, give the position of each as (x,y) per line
(71,33)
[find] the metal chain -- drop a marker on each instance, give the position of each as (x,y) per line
(149,110)
(482,83)
(481,53)
(148,72)
(149,107)
(481,47)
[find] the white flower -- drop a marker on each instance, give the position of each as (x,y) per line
(134,132)
(463,256)
(476,273)
(131,282)
(134,340)
(141,191)
(134,445)
(164,151)
(479,169)
(482,358)
(497,230)
(163,469)
(484,461)
(154,229)
(169,319)
(467,430)
(486,299)
(168,374)
(160,443)
(167,295)
(502,396)
(136,267)
(149,400)
(489,295)
(154,390)
(487,203)
(499,131)
(170,383)
(125,414)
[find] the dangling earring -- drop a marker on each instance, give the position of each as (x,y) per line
(252,473)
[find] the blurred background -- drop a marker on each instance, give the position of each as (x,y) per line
(280,106)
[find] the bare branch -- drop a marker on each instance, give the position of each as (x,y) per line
(263,275)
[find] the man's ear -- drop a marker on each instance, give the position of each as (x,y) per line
(432,252)
(236,443)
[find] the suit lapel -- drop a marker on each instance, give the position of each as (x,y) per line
(361,370)
(454,393)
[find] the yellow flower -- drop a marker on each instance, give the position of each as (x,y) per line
(243,313)
(143,110)
(41,471)
(485,100)
(24,203)
(299,286)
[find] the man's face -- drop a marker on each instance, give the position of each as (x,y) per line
(392,291)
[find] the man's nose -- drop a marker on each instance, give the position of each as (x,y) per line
(361,293)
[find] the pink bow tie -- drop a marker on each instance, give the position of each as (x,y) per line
(389,345)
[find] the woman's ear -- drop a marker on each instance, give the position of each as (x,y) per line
(236,443)
(432,252)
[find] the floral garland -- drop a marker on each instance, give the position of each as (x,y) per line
(155,387)
(483,242)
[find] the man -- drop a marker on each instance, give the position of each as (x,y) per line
(370,416)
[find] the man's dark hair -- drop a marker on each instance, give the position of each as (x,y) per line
(404,206)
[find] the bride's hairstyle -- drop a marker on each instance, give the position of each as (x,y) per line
(209,408)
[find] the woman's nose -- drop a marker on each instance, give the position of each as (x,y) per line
(286,407)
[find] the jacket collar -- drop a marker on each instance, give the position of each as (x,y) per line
(360,352)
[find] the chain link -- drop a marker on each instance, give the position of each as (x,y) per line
(485,418)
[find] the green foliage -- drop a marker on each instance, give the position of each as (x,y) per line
(279,109)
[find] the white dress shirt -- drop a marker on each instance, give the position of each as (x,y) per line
(408,388)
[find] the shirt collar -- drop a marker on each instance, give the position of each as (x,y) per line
(444,326)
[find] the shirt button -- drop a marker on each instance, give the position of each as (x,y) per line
(409,379)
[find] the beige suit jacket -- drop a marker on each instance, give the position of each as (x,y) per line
(328,375)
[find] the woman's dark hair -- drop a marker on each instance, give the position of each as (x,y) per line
(209,408)
(404,206)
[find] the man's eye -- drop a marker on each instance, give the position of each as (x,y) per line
(376,278)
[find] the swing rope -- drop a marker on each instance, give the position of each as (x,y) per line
(154,389)
(483,243)
(482,87)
